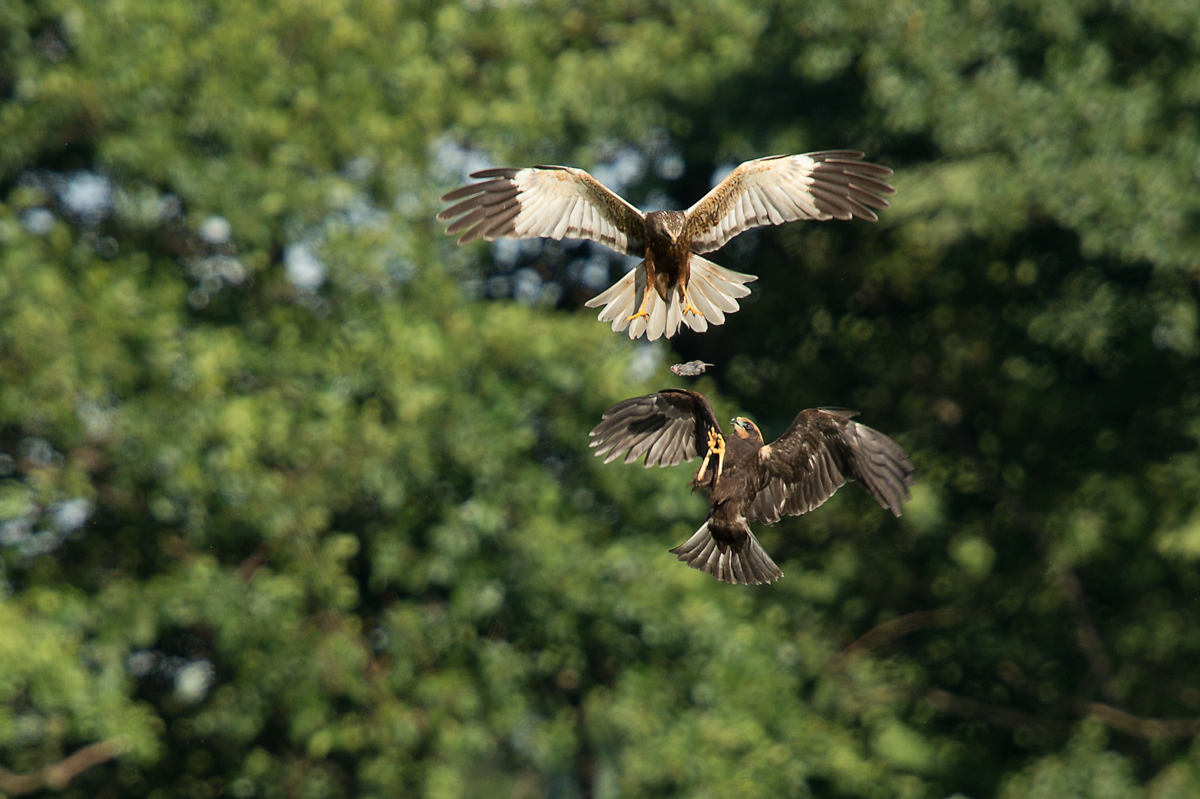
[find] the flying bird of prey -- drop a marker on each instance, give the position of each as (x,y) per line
(673,284)
(748,479)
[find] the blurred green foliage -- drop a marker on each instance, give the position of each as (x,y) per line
(288,508)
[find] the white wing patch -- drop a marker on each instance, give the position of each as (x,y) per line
(770,191)
(545,202)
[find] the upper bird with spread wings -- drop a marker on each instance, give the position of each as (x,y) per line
(559,202)
(748,479)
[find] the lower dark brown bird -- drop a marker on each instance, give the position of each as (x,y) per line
(748,479)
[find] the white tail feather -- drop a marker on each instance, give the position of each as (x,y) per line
(712,289)
(699,294)
(674,313)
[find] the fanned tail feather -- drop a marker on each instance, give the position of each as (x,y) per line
(749,565)
(713,290)
(620,299)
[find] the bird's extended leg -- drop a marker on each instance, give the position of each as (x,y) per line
(716,446)
(687,302)
(641,311)
(649,262)
(719,440)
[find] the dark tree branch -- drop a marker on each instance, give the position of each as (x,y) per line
(1153,729)
(59,775)
(1088,637)
(954,704)
(1011,673)
(1089,641)
(897,627)
(1187,695)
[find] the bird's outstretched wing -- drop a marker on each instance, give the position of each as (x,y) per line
(670,427)
(553,202)
(833,184)
(823,449)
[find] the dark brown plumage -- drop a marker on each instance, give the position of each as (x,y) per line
(672,284)
(750,480)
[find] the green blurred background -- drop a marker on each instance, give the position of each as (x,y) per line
(295,494)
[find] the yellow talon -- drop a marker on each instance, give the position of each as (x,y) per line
(716,446)
(642,311)
(687,303)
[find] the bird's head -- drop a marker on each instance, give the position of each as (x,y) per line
(665,225)
(744,428)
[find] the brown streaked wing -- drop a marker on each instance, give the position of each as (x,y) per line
(831,184)
(821,450)
(553,202)
(882,466)
(670,427)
